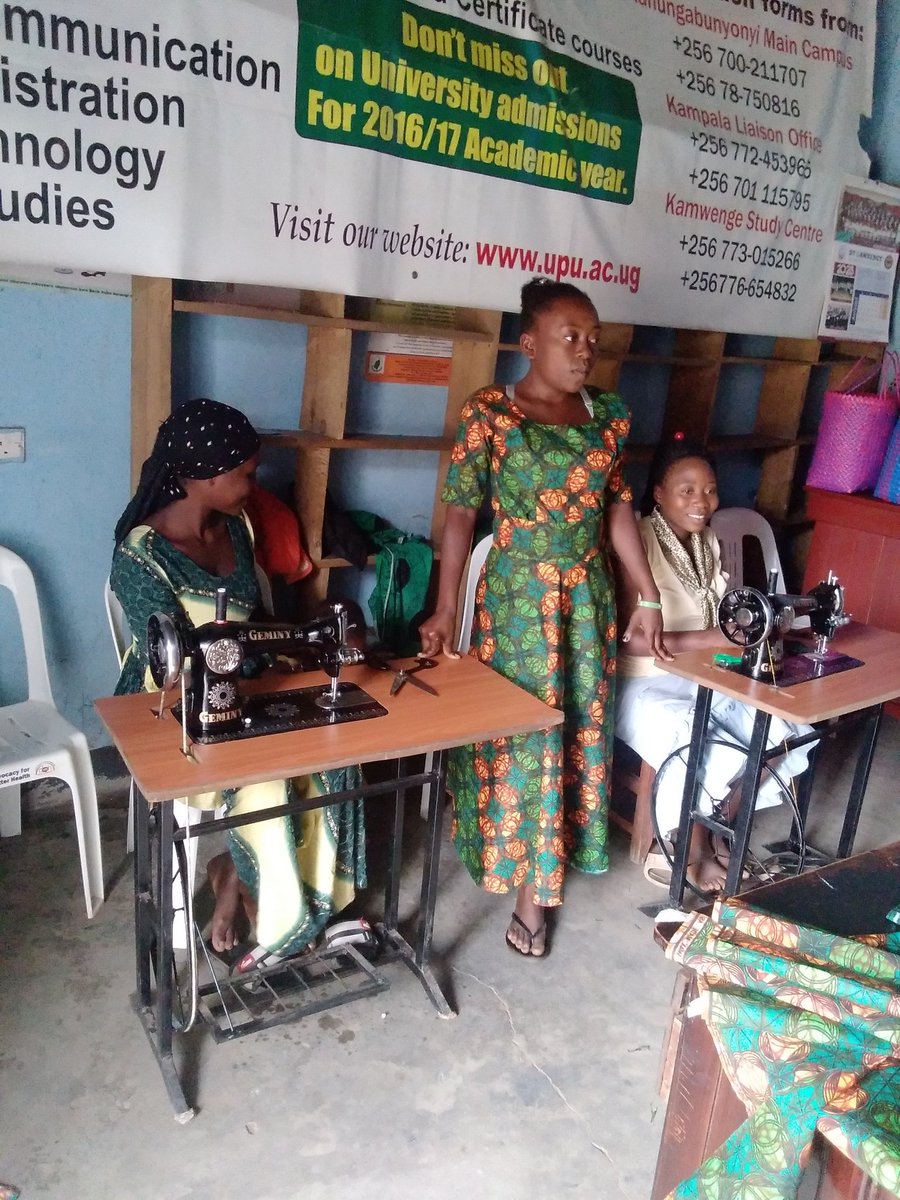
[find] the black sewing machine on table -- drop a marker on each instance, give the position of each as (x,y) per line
(208,661)
(759,622)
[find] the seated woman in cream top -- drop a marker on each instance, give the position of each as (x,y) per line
(654,710)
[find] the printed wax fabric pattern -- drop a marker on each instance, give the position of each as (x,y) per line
(807,1029)
(545,618)
(309,866)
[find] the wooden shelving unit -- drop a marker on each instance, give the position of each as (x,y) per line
(695,364)
(330,320)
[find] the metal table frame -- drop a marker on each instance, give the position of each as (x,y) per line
(154,911)
(757,756)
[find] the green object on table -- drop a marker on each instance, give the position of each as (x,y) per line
(728,660)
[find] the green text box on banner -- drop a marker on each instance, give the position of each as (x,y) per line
(404,81)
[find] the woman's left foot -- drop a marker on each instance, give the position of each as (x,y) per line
(223,879)
(527,930)
(525,942)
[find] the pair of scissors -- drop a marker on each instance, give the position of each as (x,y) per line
(407,675)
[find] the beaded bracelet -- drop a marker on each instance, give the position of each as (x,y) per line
(649,604)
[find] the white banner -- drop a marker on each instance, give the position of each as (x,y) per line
(679,161)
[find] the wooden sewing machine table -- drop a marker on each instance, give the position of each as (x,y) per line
(858,694)
(474,704)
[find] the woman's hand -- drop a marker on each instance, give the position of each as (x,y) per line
(438,634)
(650,622)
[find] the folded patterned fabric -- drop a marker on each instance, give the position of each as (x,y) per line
(807,1028)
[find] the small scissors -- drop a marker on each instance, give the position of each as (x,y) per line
(406,675)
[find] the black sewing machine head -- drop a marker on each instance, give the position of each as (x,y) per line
(758,622)
(213,705)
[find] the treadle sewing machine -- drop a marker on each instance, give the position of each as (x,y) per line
(208,661)
(758,622)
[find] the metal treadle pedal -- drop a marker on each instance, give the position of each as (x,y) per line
(295,988)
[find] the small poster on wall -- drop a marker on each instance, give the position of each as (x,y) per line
(863,264)
(403,357)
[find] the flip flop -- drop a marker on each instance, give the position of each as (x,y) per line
(658,866)
(256,959)
(657,870)
(528,953)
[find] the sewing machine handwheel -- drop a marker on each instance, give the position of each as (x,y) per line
(746,616)
(165,651)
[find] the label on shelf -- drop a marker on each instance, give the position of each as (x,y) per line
(404,358)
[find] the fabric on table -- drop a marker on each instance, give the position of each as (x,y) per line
(526,806)
(807,1028)
(655,710)
(301,871)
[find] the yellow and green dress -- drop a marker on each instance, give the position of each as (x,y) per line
(300,871)
(526,806)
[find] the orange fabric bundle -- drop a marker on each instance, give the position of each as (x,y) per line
(278,545)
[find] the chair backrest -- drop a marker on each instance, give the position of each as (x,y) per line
(118,623)
(467,607)
(16,575)
(731,526)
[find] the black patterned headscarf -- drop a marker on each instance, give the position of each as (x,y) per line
(201,439)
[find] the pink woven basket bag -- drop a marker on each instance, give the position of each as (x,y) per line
(853,434)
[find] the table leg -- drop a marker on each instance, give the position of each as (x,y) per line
(871,726)
(395,856)
(153,916)
(690,795)
(143,900)
(743,823)
(428,899)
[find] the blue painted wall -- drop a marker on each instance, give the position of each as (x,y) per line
(65,377)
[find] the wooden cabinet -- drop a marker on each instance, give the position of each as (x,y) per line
(858,537)
(747,399)
(847,898)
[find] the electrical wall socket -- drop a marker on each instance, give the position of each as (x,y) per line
(12,445)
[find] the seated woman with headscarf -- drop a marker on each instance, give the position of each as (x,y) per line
(182,536)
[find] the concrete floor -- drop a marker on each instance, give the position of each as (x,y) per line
(543,1086)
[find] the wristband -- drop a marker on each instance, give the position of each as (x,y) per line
(649,604)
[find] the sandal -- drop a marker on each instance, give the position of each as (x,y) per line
(658,864)
(528,952)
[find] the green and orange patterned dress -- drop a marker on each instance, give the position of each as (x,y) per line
(526,806)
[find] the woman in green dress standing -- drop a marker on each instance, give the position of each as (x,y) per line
(550,458)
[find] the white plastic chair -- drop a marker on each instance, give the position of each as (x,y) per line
(464,627)
(36,741)
(731,526)
(467,608)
